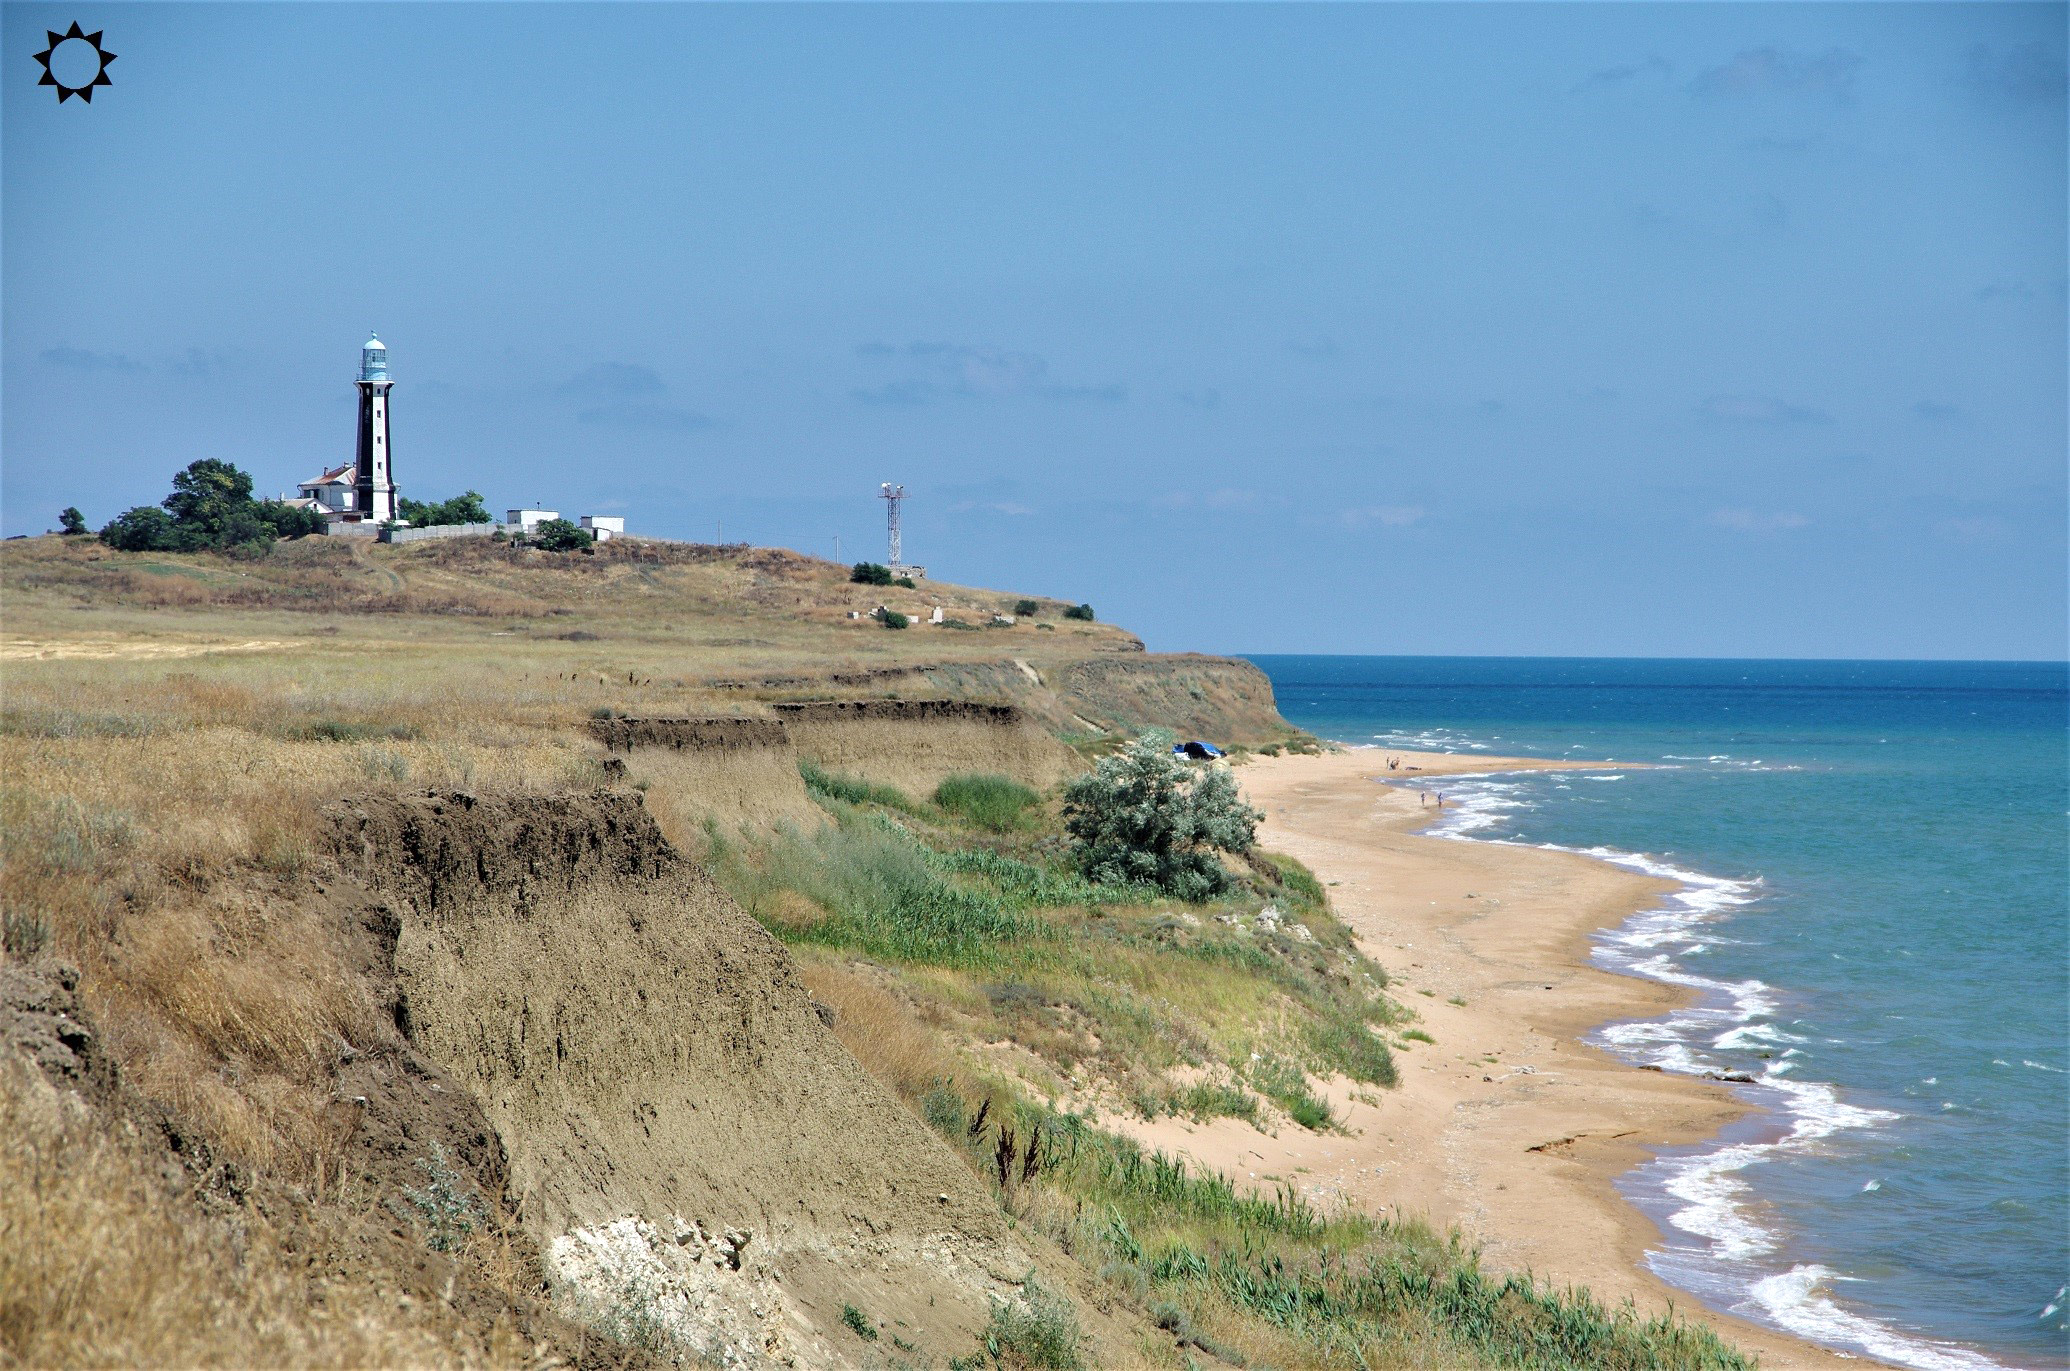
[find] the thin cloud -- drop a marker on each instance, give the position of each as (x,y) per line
(1383,516)
(1760,409)
(952,371)
(1828,75)
(2026,76)
(197,363)
(1748,521)
(1975,529)
(610,380)
(1207,397)
(1934,412)
(1006,507)
(900,393)
(635,414)
(1610,78)
(1226,498)
(82,359)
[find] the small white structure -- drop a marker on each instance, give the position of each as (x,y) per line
(525,520)
(330,494)
(935,617)
(604,527)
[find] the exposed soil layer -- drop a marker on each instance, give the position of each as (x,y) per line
(697,735)
(1222,699)
(394,1114)
(915,745)
(670,1103)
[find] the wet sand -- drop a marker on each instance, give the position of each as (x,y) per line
(1507,1126)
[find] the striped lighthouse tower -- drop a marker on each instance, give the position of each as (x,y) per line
(374,483)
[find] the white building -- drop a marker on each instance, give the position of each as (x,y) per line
(525,520)
(604,527)
(330,494)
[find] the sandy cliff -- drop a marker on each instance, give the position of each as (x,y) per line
(686,1139)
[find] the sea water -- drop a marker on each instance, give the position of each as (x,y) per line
(1874,910)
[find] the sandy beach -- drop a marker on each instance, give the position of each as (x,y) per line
(1507,1126)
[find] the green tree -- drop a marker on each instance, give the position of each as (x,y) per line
(894,619)
(1144,817)
(1026,609)
(870,574)
(71,521)
(210,509)
(146,528)
(466,508)
(1084,612)
(559,535)
(289,521)
(212,504)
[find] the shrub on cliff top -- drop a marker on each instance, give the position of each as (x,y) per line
(870,574)
(1144,818)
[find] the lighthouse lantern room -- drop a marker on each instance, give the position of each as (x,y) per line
(374,478)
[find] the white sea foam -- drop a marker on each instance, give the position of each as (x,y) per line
(2041,1066)
(1797,1301)
(1712,1202)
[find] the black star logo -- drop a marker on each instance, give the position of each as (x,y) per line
(100,75)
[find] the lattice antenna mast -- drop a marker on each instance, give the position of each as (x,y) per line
(893,496)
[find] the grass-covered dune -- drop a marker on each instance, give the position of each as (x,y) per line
(1007,999)
(227,1140)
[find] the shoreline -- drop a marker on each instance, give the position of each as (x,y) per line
(1510,1126)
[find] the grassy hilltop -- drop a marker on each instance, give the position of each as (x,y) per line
(280,831)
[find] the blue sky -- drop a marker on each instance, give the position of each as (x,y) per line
(1720,330)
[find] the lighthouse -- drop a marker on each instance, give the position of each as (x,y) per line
(373,483)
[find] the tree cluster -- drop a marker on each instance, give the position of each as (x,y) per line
(1084,612)
(461,509)
(870,574)
(1144,817)
(211,509)
(560,535)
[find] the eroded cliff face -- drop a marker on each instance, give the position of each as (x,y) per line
(686,1140)
(1223,699)
(736,772)
(915,745)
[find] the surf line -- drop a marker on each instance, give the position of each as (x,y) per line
(1715,1246)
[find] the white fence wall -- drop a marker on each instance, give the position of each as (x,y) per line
(418,535)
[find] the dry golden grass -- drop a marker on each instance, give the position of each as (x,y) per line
(160,801)
(880,1029)
(102,1263)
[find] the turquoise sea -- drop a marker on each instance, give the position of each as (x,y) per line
(1875,910)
